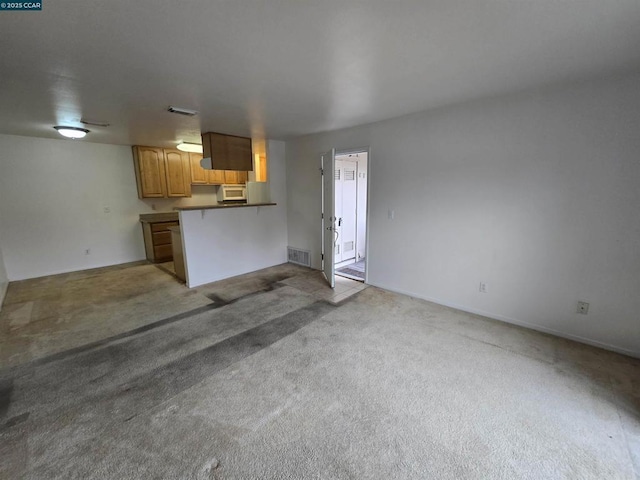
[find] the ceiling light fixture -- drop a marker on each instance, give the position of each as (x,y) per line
(190,147)
(72,132)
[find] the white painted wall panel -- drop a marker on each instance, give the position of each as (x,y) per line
(222,243)
(52,195)
(228,242)
(536,194)
(52,199)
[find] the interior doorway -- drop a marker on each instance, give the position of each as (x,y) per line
(344,221)
(350,210)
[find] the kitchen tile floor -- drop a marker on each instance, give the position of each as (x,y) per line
(313,282)
(167,267)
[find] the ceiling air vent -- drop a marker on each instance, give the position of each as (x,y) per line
(183,111)
(94,123)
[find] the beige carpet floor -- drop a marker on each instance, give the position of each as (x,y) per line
(253,378)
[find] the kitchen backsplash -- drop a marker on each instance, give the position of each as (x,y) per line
(200,195)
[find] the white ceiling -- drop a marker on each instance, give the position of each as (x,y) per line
(282,68)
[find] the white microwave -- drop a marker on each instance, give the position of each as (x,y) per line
(232,193)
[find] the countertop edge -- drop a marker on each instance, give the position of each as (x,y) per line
(158,217)
(233,205)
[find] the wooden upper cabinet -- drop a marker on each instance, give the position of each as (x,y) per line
(243,177)
(231,177)
(240,153)
(216,177)
(150,172)
(178,172)
(199,175)
(228,152)
(162,173)
(214,146)
(234,177)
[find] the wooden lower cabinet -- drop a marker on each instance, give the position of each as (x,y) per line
(178,254)
(157,241)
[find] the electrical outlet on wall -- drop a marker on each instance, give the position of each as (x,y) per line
(483,287)
(583,308)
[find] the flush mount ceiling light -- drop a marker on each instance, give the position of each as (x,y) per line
(190,147)
(72,132)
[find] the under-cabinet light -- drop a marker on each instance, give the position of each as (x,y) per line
(190,147)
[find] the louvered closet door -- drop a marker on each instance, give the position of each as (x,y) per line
(338,176)
(349,208)
(346,205)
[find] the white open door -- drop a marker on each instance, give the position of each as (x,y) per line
(328,216)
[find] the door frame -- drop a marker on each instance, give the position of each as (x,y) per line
(366,150)
(327,179)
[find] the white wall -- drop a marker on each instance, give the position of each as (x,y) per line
(200,195)
(52,199)
(222,243)
(4,280)
(536,194)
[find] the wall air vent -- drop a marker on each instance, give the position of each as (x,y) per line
(298,256)
(182,111)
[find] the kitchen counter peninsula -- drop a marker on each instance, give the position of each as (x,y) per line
(159,217)
(224,205)
(222,241)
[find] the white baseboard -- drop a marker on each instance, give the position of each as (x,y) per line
(502,318)
(74,270)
